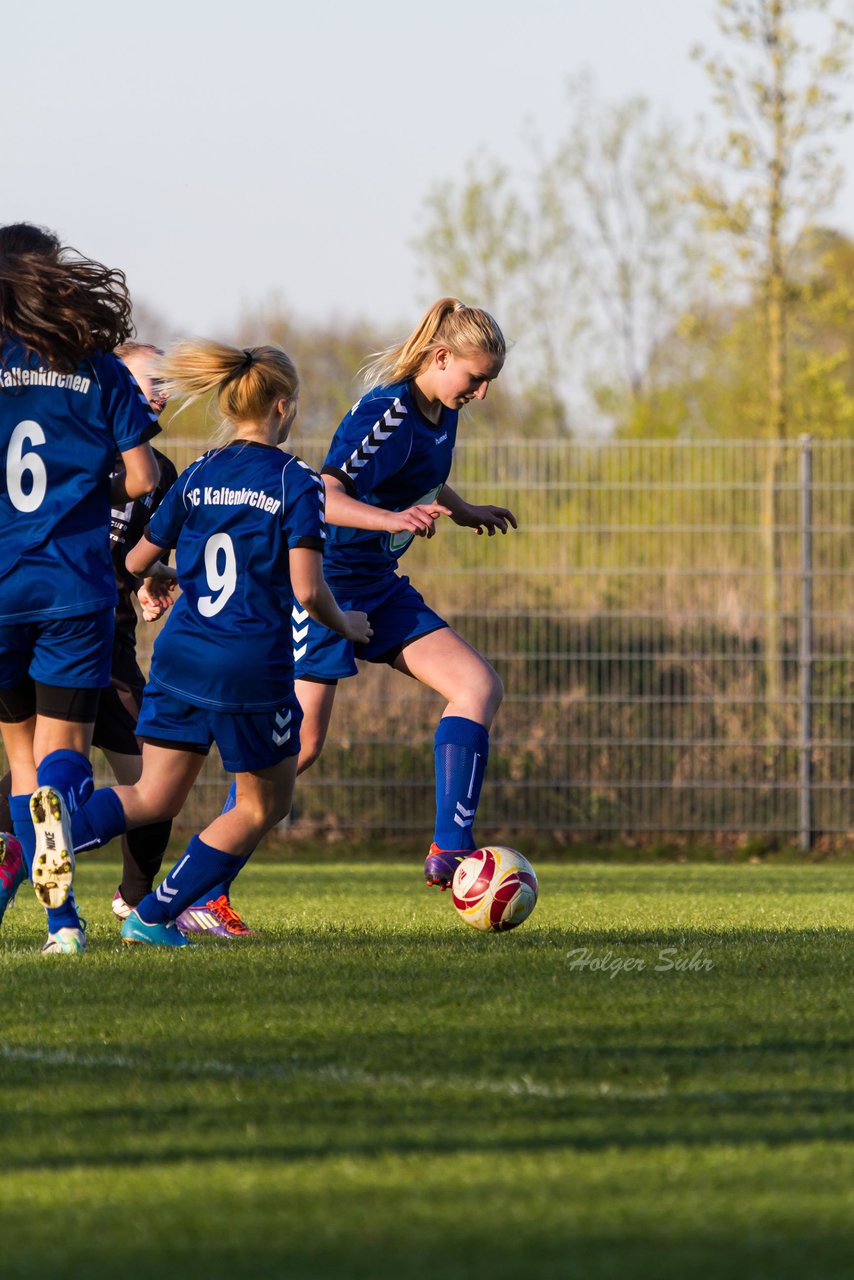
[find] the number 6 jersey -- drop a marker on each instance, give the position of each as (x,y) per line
(233,517)
(59,434)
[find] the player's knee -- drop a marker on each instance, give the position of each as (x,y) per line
(145,802)
(159,809)
(490,691)
(311,745)
(279,811)
(259,813)
(478,694)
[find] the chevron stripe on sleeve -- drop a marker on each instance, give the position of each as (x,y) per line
(377,436)
(321,493)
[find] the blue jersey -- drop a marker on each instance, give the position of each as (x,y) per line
(233,517)
(386,453)
(59,433)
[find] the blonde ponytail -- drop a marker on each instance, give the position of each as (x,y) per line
(247,380)
(448,323)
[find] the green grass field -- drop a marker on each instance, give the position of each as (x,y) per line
(370,1089)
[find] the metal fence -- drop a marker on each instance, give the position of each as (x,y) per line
(673,625)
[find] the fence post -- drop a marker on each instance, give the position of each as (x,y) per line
(805,649)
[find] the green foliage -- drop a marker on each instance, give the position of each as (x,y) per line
(712,369)
(668,291)
(777,97)
(587,260)
(774,171)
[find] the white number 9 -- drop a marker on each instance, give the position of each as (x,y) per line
(18,464)
(222,580)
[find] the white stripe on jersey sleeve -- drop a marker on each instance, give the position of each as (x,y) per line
(377,436)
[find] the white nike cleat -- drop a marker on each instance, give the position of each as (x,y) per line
(53,864)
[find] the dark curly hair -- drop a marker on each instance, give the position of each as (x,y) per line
(60,305)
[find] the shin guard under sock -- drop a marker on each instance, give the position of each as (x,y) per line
(460,753)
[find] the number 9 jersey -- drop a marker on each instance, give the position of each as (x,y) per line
(233,517)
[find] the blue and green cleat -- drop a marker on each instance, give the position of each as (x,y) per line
(70,940)
(136,932)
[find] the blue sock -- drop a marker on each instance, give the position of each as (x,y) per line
(101,819)
(201,867)
(69,773)
(224,886)
(239,863)
(64,917)
(460,753)
(22,821)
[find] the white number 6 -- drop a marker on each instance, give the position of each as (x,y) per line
(19,464)
(222,580)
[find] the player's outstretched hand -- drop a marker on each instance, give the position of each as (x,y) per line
(359,630)
(420,519)
(486,518)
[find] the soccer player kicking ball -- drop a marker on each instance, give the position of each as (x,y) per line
(386,476)
(246,521)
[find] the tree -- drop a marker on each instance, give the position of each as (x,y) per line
(590,257)
(774,172)
(486,246)
(705,381)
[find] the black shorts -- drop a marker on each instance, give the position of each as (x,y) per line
(115,725)
(54,702)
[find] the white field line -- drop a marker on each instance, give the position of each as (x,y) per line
(520,1087)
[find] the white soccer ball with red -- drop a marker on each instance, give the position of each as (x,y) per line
(495,889)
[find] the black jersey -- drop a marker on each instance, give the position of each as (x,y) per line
(127,525)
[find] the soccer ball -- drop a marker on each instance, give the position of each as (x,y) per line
(495,889)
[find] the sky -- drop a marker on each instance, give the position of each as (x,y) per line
(227,154)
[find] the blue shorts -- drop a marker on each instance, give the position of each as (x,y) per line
(72,653)
(397,614)
(247,740)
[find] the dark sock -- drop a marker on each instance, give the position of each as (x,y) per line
(142,857)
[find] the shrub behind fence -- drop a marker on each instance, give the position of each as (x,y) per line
(672,622)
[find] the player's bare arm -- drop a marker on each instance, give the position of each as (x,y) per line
(143,556)
(309,587)
(341,509)
(479,518)
(163,574)
(141,474)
